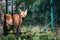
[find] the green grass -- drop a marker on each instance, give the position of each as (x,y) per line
(32,33)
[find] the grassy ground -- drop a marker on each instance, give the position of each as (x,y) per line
(32,33)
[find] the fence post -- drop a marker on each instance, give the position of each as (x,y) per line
(51,13)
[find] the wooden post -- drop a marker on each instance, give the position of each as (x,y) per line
(5,27)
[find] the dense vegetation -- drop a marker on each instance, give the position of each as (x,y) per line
(32,33)
(38,14)
(39,11)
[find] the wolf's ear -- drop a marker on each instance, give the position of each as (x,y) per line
(26,12)
(20,10)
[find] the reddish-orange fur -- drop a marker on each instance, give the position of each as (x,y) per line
(15,19)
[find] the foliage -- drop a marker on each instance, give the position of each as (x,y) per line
(38,11)
(31,36)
